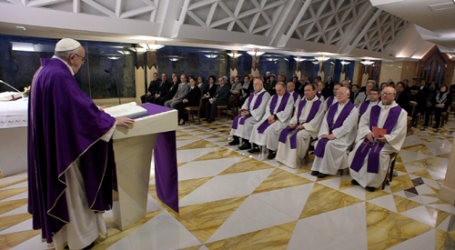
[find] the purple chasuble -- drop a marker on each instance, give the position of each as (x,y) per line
(363,107)
(296,96)
(313,111)
(65,125)
(257,103)
(320,148)
(284,102)
(330,101)
(364,149)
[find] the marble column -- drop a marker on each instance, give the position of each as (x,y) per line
(447,190)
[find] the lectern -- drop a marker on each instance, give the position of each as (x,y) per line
(133,154)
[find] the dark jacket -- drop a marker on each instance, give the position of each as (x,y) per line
(163,88)
(172,90)
(222,94)
(421,101)
(447,102)
(211,90)
(153,86)
(403,100)
(193,96)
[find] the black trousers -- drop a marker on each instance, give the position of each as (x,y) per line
(181,110)
(211,108)
(437,114)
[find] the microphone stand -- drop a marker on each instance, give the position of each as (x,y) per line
(116,84)
(8,85)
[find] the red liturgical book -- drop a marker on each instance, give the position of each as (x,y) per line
(379,132)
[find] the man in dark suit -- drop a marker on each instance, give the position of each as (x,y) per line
(153,87)
(403,98)
(163,88)
(421,100)
(221,98)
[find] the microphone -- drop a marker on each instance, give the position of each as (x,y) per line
(9,86)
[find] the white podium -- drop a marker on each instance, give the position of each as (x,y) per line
(133,153)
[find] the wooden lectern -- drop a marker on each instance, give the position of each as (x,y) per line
(133,153)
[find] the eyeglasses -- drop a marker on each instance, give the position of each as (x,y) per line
(82,58)
(386,93)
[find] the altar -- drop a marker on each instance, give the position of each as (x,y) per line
(13,136)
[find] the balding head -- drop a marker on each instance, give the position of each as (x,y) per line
(290,86)
(280,88)
(258,85)
(388,94)
(342,95)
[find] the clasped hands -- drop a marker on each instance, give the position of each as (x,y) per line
(293,126)
(371,138)
(328,137)
(271,119)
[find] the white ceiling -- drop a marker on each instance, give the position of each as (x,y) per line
(337,28)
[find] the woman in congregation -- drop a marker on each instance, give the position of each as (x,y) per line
(169,95)
(209,93)
(192,99)
(439,103)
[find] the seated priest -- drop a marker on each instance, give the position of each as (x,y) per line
(251,113)
(192,99)
(277,115)
(336,135)
(374,100)
(304,125)
(221,97)
(332,99)
(70,169)
(291,90)
(368,167)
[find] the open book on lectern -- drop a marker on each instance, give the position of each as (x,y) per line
(130,110)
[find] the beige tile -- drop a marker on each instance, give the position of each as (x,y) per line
(245,165)
(219,153)
(440,239)
(386,228)
(423,173)
(376,194)
(271,238)
(404,204)
(421,148)
(184,137)
(324,199)
(345,183)
(11,220)
(114,234)
(198,144)
(203,219)
(437,215)
(400,167)
(6,206)
(191,248)
(280,179)
(11,192)
(11,240)
(401,183)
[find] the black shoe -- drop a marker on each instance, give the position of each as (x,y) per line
(85,248)
(236,141)
(314,173)
(254,149)
(425,125)
(245,145)
(371,189)
(354,182)
(272,155)
(205,119)
(209,120)
(436,126)
(321,175)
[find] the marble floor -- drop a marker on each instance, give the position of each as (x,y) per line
(232,200)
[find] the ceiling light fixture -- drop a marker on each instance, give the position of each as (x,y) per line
(322,58)
(151,46)
(113,57)
(255,52)
(138,49)
(234,54)
(124,52)
(344,62)
(367,62)
(299,59)
(211,56)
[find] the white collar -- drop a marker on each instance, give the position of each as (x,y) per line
(69,67)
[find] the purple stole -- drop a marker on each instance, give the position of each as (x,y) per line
(320,148)
(363,107)
(319,95)
(373,155)
(286,131)
(284,102)
(296,96)
(256,105)
(330,101)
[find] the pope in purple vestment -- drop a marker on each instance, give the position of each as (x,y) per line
(65,127)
